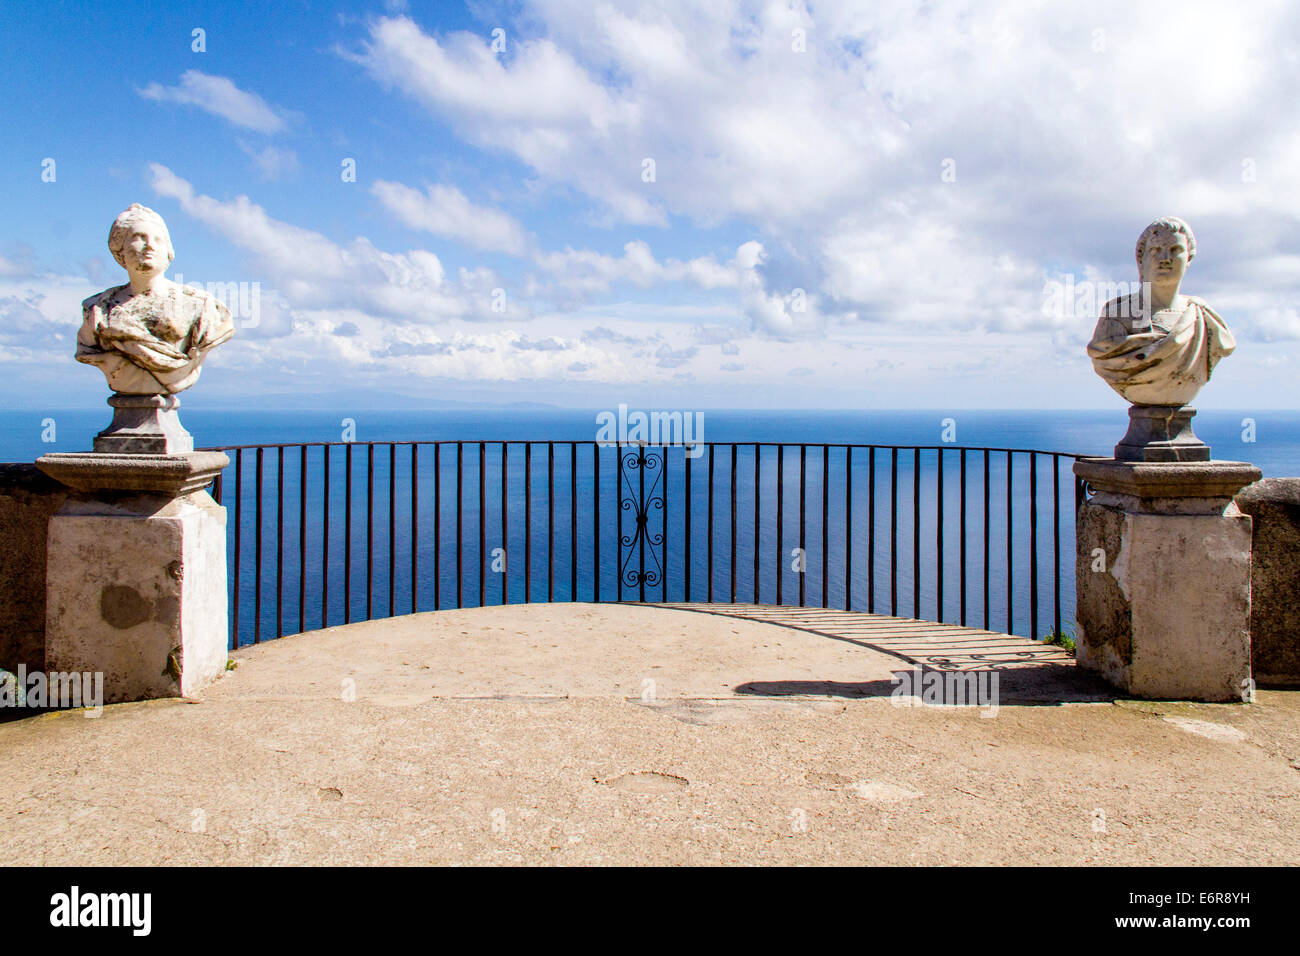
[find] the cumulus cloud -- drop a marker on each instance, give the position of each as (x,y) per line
(312,271)
(272,163)
(444,211)
(584,270)
(221,97)
(930,164)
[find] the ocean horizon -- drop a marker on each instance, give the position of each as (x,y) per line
(1269,438)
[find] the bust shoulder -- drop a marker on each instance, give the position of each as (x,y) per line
(101,299)
(1123,307)
(199,301)
(199,296)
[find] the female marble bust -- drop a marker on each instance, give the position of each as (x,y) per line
(150,336)
(1158,347)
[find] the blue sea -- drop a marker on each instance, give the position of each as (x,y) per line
(876,533)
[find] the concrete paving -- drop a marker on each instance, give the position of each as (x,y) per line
(651,734)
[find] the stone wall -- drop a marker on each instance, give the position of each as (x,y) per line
(1274,504)
(27,500)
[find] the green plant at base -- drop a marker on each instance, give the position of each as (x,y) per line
(1065,641)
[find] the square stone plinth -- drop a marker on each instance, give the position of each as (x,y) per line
(1274,506)
(136,589)
(1162,579)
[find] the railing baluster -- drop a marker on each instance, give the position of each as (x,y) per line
(666,548)
(528,522)
(825,557)
(302,539)
(642,456)
(689,509)
(482,524)
(460,524)
(916,533)
(987,535)
(780,521)
(733,523)
(505,523)
(893,532)
(803,521)
(279,542)
(1033,546)
(392,529)
(550,521)
(257,560)
(618,503)
(1056,544)
(573,521)
(437,526)
(871,530)
(848,527)
(938,537)
(710,529)
(415,527)
(325,543)
(962,535)
(347,541)
(1010,547)
(370,531)
(239,555)
(758,494)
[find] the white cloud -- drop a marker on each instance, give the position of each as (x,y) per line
(220,96)
(833,156)
(312,271)
(584,270)
(272,162)
(444,211)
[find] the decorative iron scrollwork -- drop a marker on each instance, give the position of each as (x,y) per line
(640,558)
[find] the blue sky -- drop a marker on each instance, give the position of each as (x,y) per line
(853,205)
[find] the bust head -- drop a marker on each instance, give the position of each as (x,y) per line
(1164,250)
(139,240)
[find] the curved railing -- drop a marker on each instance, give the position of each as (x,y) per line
(975,536)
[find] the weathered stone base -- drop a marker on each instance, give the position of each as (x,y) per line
(136,589)
(1274,504)
(1163,579)
(144,425)
(1161,433)
(103,474)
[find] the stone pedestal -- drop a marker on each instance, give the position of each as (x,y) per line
(136,580)
(1161,433)
(144,425)
(1163,578)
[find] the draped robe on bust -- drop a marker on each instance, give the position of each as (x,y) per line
(150,345)
(1150,366)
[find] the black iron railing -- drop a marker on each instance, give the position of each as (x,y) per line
(978,536)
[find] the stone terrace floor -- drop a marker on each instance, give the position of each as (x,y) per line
(650,734)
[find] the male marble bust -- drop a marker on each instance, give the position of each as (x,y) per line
(1159,346)
(150,336)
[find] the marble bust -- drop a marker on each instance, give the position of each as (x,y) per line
(1159,346)
(149,336)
